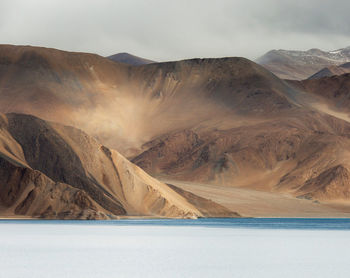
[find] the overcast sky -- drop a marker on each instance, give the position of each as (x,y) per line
(176,29)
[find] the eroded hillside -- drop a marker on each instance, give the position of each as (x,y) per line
(54,171)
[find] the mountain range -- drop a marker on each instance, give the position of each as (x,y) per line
(89,129)
(298,65)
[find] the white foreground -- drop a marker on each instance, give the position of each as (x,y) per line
(61,250)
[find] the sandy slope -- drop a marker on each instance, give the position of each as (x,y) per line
(255,203)
(54,171)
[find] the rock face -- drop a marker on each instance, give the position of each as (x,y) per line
(129,59)
(54,171)
(299,65)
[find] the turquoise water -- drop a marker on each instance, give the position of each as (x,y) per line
(251,223)
(242,248)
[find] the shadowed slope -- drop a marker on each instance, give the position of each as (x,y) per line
(331,70)
(28,192)
(56,171)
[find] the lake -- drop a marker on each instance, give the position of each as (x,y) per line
(175,248)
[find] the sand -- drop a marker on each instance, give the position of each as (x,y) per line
(254,203)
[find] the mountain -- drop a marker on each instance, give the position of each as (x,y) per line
(277,155)
(53,171)
(224,122)
(66,87)
(259,132)
(332,70)
(124,107)
(332,93)
(129,59)
(298,65)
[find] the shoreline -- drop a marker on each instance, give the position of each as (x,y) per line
(169,219)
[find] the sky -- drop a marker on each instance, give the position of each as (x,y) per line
(164,30)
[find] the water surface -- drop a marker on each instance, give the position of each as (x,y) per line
(175,248)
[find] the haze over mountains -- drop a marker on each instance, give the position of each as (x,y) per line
(225,122)
(124,106)
(298,65)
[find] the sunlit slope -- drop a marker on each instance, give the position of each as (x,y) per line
(55,171)
(224,121)
(124,106)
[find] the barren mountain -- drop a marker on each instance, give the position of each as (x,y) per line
(299,65)
(129,59)
(333,93)
(60,86)
(225,122)
(331,70)
(278,155)
(125,107)
(54,171)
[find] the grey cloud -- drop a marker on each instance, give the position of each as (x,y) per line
(170,30)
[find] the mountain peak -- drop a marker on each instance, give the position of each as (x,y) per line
(127,58)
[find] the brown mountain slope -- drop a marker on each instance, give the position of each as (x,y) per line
(333,181)
(259,203)
(332,92)
(279,155)
(125,107)
(27,192)
(224,121)
(60,86)
(56,171)
(207,207)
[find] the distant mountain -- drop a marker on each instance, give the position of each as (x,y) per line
(334,90)
(127,58)
(299,65)
(331,71)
